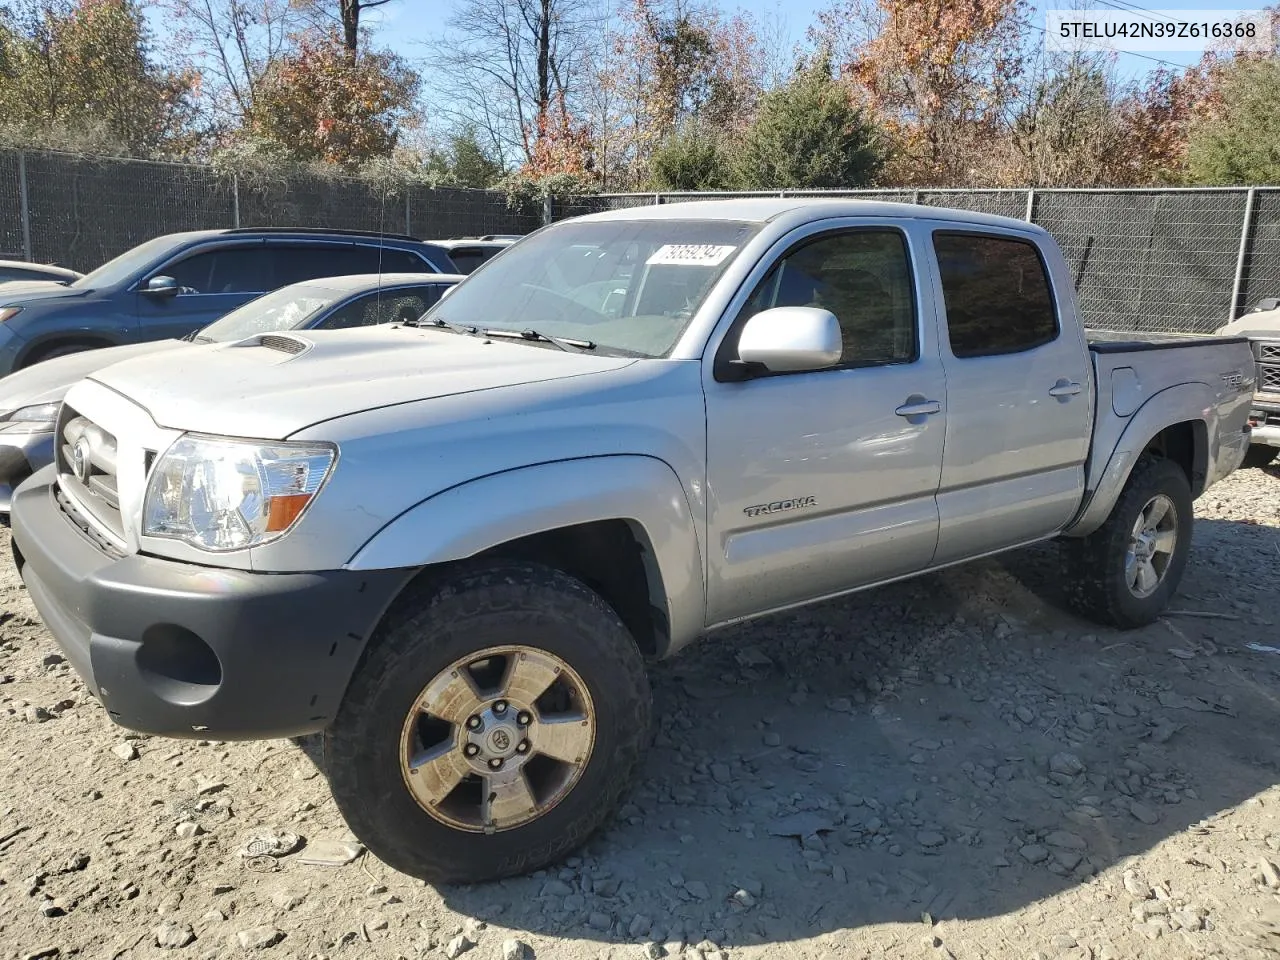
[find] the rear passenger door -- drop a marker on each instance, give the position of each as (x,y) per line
(822,481)
(1019,407)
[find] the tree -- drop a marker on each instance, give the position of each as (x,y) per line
(809,133)
(1237,138)
(344,14)
(691,158)
(1072,132)
(508,62)
(464,162)
(940,75)
(232,43)
(319,103)
(82,69)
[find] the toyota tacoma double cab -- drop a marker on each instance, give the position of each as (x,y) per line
(452,545)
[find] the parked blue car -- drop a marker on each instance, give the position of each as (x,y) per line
(169,287)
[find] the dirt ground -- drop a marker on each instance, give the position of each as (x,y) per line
(948,768)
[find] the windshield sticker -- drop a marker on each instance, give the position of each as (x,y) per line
(690,254)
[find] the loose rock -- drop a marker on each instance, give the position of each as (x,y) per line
(259,938)
(173,936)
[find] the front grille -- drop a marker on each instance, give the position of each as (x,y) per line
(86,460)
(1268,378)
(72,513)
(1268,354)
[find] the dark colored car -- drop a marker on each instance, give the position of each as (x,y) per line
(173,285)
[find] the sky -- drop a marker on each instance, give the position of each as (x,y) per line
(408,25)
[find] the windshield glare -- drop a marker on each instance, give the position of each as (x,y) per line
(630,286)
(126,265)
(284,309)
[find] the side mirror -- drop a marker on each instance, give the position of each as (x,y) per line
(161,287)
(791,339)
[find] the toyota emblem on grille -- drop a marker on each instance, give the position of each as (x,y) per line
(80,462)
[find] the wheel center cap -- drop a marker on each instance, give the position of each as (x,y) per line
(500,741)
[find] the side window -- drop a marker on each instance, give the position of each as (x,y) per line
(299,263)
(389,306)
(401,261)
(468,258)
(861,276)
(996,294)
(228,270)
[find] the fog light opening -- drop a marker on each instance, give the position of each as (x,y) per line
(178,665)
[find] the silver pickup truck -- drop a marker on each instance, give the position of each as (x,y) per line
(452,545)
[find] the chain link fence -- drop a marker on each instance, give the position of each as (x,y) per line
(1168,261)
(1176,260)
(82,211)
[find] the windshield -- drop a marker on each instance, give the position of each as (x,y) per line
(126,265)
(284,309)
(627,285)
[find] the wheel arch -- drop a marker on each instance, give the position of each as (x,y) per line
(1174,424)
(622,524)
(35,350)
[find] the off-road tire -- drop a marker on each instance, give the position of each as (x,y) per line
(437,622)
(1258,456)
(1093,566)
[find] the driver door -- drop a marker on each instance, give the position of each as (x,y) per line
(821,481)
(212,283)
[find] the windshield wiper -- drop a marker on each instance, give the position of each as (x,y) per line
(440,322)
(564,343)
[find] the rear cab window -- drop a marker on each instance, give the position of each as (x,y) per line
(996,293)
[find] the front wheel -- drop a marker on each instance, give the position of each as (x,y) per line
(1124,573)
(492,725)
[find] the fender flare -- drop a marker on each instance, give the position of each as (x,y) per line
(1184,403)
(471,517)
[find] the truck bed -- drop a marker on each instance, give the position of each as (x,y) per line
(1132,368)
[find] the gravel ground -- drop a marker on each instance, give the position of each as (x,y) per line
(948,768)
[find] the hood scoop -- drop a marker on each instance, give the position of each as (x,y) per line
(280,343)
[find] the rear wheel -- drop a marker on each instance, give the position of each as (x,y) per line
(1125,572)
(1258,455)
(492,726)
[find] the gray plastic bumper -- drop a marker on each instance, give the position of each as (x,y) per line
(189,651)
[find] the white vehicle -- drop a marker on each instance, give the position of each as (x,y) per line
(1262,327)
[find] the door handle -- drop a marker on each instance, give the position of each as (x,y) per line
(918,407)
(1065,388)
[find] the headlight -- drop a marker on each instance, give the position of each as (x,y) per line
(230,494)
(8,313)
(38,418)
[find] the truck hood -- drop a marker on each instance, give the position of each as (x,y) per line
(48,380)
(1264,324)
(272,386)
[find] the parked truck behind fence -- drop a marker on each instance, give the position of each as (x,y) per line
(452,546)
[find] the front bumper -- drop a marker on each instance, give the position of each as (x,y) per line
(1264,418)
(189,651)
(21,455)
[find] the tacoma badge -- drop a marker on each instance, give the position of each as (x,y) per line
(781,506)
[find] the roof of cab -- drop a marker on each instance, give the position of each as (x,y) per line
(765,209)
